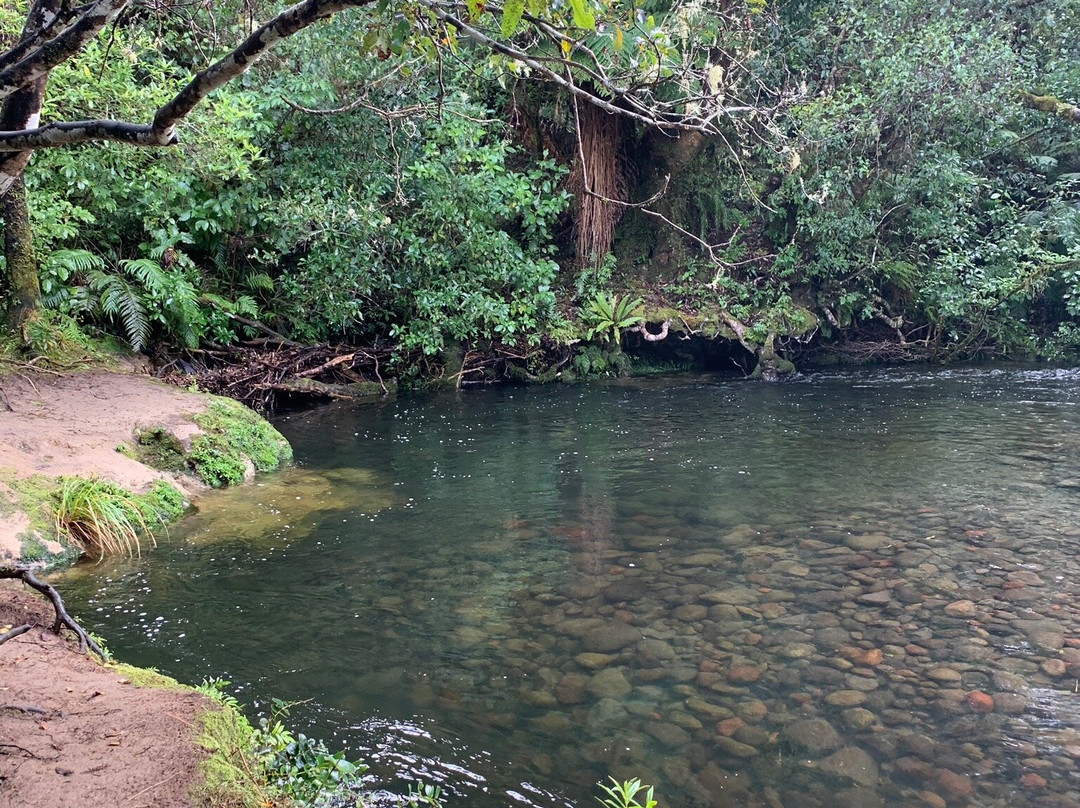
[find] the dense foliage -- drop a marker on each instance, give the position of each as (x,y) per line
(892,194)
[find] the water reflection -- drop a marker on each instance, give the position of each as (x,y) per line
(855,590)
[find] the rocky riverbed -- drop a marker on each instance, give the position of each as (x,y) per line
(880,659)
(856,591)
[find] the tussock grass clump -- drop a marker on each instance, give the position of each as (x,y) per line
(101,517)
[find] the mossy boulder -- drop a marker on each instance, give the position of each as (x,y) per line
(224,445)
(234,442)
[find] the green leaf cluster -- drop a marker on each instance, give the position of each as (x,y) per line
(606,316)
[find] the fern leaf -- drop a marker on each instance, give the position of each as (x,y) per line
(259,281)
(65,263)
(149,274)
(119,300)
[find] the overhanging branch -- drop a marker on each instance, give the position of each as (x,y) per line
(162,132)
(1048,103)
(37,62)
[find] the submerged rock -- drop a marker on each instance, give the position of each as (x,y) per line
(815,736)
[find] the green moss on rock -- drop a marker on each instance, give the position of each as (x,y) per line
(234,438)
(159,448)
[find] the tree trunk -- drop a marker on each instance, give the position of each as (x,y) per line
(597,183)
(771,367)
(22,276)
(22,110)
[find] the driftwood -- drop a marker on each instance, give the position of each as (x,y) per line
(257,372)
(63,619)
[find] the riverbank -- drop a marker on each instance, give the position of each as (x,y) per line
(121,427)
(74,732)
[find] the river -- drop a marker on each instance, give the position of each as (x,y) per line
(855,589)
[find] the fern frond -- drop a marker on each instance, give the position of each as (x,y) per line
(149,274)
(246,306)
(65,263)
(259,281)
(119,300)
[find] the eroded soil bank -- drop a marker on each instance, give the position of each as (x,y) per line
(71,425)
(76,733)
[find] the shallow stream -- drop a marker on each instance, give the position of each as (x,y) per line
(850,590)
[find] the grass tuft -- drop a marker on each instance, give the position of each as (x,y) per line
(101,517)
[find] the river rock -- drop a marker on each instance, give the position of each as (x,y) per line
(751,710)
(798,650)
(813,735)
(733,748)
(652,652)
(594,661)
(853,763)
(735,596)
(846,698)
(609,683)
(879,598)
(606,714)
(858,719)
(868,542)
(979,702)
(744,674)
(1045,635)
(1010,703)
(704,559)
(626,589)
(690,613)
(954,785)
(1008,682)
(944,675)
(752,736)
(570,689)
(1054,667)
(960,608)
(579,626)
(612,636)
(711,711)
(668,735)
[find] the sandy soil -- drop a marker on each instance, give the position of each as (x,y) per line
(76,734)
(72,424)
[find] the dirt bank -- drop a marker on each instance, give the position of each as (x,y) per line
(56,425)
(77,733)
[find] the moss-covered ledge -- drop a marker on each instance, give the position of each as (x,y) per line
(226,444)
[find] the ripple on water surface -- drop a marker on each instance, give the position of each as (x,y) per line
(854,590)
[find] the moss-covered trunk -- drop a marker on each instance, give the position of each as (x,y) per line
(22,286)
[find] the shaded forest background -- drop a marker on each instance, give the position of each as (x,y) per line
(888,182)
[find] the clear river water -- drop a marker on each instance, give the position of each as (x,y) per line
(855,589)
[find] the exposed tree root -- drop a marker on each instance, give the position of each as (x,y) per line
(63,619)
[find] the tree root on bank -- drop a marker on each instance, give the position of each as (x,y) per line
(63,619)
